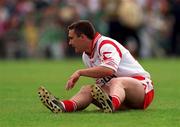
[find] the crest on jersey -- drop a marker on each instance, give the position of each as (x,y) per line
(106,55)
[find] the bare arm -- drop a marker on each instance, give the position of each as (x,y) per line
(94,72)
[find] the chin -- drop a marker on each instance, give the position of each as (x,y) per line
(77,51)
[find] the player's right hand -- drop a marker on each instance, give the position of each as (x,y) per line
(72,80)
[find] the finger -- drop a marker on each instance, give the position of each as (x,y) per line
(66,87)
(69,85)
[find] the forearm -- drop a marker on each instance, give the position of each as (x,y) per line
(96,72)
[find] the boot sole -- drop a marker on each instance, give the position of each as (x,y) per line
(49,100)
(99,95)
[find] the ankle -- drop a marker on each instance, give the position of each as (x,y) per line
(69,105)
(115,102)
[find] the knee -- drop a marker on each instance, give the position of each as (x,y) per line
(86,89)
(117,82)
(113,81)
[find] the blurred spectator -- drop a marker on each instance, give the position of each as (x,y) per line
(31,35)
(131,17)
(52,34)
(4,17)
(13,39)
(175,37)
(23,7)
(125,19)
(40,4)
(67,14)
(2,48)
(156,30)
(38,27)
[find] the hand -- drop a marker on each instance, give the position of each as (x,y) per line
(72,80)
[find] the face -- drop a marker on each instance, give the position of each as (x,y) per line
(78,43)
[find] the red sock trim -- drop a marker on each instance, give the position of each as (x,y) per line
(69,105)
(116,102)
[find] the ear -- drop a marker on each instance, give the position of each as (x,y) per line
(83,36)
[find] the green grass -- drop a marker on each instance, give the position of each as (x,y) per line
(20,105)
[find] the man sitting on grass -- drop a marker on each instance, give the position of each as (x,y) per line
(121,82)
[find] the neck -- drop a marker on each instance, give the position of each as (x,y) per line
(88,49)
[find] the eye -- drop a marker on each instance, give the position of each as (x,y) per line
(70,38)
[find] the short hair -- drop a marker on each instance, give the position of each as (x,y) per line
(83,27)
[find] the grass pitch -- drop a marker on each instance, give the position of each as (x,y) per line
(21,107)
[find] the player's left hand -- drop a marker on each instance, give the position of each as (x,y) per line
(72,80)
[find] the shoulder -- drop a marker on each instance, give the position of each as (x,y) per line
(109,44)
(108,41)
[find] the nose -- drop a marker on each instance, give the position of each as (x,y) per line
(70,42)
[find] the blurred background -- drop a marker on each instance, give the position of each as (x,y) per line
(38,28)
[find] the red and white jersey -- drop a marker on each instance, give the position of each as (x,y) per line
(110,53)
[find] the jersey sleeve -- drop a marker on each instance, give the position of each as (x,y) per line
(110,55)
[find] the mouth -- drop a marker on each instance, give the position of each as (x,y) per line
(72,46)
